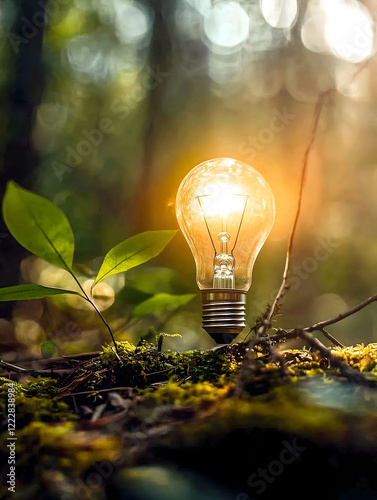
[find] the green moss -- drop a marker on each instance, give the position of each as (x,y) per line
(281,413)
(312,401)
(34,401)
(136,362)
(4,386)
(124,349)
(199,395)
(143,364)
(202,365)
(74,449)
(305,362)
(292,408)
(40,388)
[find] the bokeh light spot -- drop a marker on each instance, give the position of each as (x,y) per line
(226,25)
(103,294)
(344,29)
(312,34)
(133,22)
(349,32)
(279,13)
(86,56)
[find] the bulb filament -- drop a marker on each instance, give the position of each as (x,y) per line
(223,261)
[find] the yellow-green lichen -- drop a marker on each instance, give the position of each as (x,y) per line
(124,349)
(289,409)
(363,358)
(68,447)
(199,395)
(34,401)
(144,364)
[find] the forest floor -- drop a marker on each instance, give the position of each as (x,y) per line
(166,425)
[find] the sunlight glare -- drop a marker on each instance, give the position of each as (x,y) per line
(279,13)
(342,28)
(349,32)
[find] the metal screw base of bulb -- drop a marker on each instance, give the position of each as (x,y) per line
(223,313)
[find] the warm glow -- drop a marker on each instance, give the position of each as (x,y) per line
(221,200)
(225,209)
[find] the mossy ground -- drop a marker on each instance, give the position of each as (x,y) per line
(181,408)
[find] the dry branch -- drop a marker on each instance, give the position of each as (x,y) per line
(284,285)
(265,324)
(322,324)
(262,327)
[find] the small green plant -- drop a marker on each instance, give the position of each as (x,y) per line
(43,229)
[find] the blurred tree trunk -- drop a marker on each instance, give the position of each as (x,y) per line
(23,96)
(160,62)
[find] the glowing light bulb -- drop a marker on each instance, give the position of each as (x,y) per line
(226,210)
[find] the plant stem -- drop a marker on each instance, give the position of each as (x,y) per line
(86,297)
(107,326)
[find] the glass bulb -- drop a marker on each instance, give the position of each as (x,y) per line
(226,210)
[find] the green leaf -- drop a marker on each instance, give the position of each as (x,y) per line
(161,302)
(133,252)
(28,292)
(39,226)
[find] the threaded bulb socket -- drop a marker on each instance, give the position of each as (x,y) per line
(223,313)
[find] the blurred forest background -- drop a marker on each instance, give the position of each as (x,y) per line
(107,104)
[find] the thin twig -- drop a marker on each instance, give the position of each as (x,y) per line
(323,324)
(331,338)
(261,329)
(94,392)
(317,114)
(266,323)
(18,369)
(351,374)
(284,284)
(278,357)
